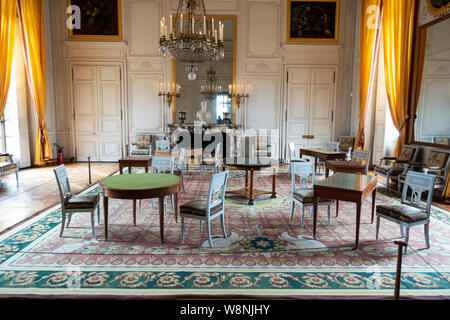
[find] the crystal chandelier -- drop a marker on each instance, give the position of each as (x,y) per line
(211,89)
(192,38)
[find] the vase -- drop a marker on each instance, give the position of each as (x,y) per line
(204,115)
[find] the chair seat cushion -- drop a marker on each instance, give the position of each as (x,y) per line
(82,201)
(139,152)
(198,208)
(307,196)
(393,171)
(402,212)
(7,166)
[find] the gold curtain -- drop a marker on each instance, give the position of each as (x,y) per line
(31,15)
(368,48)
(7,36)
(398,29)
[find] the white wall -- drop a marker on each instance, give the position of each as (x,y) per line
(262,59)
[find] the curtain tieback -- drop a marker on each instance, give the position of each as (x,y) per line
(404,122)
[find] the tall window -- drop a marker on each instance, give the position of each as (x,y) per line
(2,136)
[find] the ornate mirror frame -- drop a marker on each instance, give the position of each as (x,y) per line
(416,79)
(216,17)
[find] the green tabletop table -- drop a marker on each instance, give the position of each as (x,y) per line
(321,154)
(141,186)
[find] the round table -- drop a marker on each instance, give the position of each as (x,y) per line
(141,186)
(250,165)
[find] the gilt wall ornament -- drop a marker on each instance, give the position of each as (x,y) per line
(438,8)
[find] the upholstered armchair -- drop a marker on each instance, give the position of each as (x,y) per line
(393,167)
(8,166)
(437,164)
(142,146)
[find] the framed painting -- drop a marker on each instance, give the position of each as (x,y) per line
(438,7)
(99,19)
(312,21)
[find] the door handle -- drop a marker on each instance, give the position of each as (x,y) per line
(308,137)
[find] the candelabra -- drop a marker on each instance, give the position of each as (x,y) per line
(169,92)
(239,92)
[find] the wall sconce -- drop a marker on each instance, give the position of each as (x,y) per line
(240,92)
(169,92)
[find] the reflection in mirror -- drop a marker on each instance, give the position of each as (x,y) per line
(432,124)
(210,87)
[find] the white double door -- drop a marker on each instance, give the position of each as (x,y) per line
(97,100)
(310,100)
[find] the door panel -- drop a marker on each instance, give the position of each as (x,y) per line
(98,115)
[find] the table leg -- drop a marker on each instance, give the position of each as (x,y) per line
(358,222)
(134,212)
(316,204)
(120,169)
(327,172)
(161,218)
(129,170)
(337,208)
(315,164)
(176,207)
(246,179)
(146,169)
(274,184)
(250,202)
(374,196)
(105,215)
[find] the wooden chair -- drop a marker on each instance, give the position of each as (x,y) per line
(410,212)
(163,164)
(398,165)
(209,209)
(142,146)
(437,164)
(214,161)
(8,166)
(304,195)
(361,156)
(293,157)
(75,203)
(180,165)
(329,146)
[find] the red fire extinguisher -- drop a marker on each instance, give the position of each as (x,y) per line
(60,156)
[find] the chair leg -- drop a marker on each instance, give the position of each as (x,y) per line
(402,231)
(98,213)
(63,223)
(208,229)
(378,227)
(426,228)
(406,238)
(292,210)
(69,220)
(329,216)
(182,229)
(311,212)
(182,181)
(303,217)
(93,222)
(153,203)
(223,225)
(17,176)
(165,206)
(387,183)
(139,206)
(173,201)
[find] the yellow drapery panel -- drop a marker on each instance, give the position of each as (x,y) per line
(368,48)
(31,15)
(7,36)
(398,29)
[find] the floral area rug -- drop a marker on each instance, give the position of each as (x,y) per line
(265,253)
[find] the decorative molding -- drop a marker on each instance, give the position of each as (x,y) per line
(145,65)
(95,50)
(313,54)
(261,66)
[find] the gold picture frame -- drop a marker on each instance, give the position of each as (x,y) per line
(437,8)
(301,28)
(104,24)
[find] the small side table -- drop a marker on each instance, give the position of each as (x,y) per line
(135,161)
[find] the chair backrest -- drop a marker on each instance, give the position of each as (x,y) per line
(143,141)
(331,146)
(262,143)
(346,142)
(407,154)
(442,140)
(361,156)
(181,156)
(162,164)
(303,170)
(292,151)
(217,189)
(62,180)
(437,159)
(163,145)
(418,183)
(217,152)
